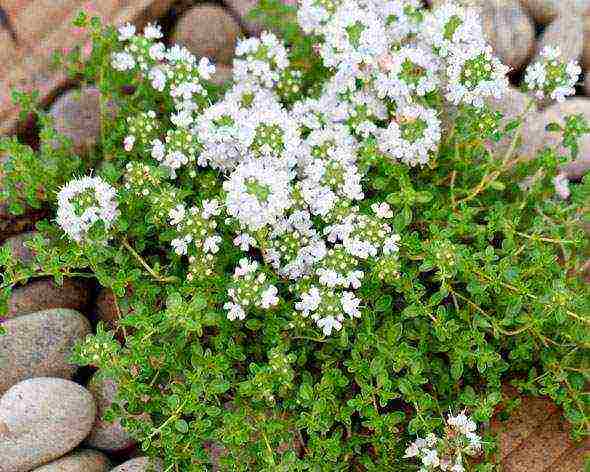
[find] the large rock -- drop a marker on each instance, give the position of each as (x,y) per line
(586,50)
(41,420)
(76,115)
(208,30)
(140,464)
(545,11)
(40,345)
(107,311)
(84,460)
(41,295)
(510,31)
(106,436)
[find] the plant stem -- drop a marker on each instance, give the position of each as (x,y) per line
(145,265)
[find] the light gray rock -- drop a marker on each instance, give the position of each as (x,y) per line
(140,464)
(106,436)
(84,460)
(208,30)
(509,30)
(42,419)
(39,345)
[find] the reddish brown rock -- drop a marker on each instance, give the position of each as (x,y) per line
(208,30)
(107,310)
(46,294)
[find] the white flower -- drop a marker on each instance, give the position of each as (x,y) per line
(244,241)
(414,137)
(180,245)
(258,193)
(310,301)
(158,150)
(269,298)
(152,31)
(211,208)
(430,458)
(177,214)
(157,51)
(157,78)
(82,203)
(328,324)
(462,423)
(127,31)
(211,244)
(561,184)
(128,143)
(350,304)
(390,244)
(122,61)
(206,69)
(235,311)
(382,210)
(260,60)
(245,267)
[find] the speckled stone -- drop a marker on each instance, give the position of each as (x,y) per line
(84,460)
(42,419)
(140,464)
(18,249)
(545,11)
(208,30)
(76,115)
(110,437)
(41,295)
(39,345)
(509,30)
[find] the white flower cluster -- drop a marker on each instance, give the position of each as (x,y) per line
(249,289)
(551,77)
(447,453)
(291,158)
(84,202)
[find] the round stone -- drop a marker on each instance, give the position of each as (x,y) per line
(42,419)
(545,11)
(40,295)
(208,30)
(85,460)
(76,115)
(40,345)
(509,30)
(110,437)
(141,464)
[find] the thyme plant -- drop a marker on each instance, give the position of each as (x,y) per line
(333,262)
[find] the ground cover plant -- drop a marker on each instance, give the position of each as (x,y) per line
(334,262)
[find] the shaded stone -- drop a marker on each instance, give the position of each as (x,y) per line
(43,419)
(141,464)
(107,311)
(106,436)
(223,74)
(40,344)
(509,30)
(76,115)
(84,460)
(208,30)
(41,295)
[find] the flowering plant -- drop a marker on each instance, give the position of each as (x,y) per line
(314,260)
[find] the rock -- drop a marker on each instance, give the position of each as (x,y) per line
(241,8)
(586,50)
(42,419)
(208,30)
(545,11)
(41,295)
(567,32)
(18,249)
(510,31)
(40,344)
(141,464)
(76,115)
(110,437)
(85,460)
(223,74)
(109,312)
